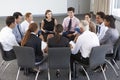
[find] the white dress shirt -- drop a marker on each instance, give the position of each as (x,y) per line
(85,42)
(102,32)
(7,39)
(24,26)
(75,23)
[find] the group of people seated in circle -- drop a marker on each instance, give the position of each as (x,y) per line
(80,35)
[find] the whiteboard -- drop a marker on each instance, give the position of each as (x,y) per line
(36,7)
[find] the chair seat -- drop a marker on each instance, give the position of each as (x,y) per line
(109,56)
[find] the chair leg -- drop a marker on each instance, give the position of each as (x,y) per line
(115,64)
(69,74)
(85,73)
(37,74)
(2,63)
(112,67)
(18,73)
(48,74)
(5,69)
(75,70)
(103,73)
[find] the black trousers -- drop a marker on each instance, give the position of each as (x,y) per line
(10,55)
(79,58)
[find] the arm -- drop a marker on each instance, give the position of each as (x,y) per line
(56,22)
(12,41)
(76,47)
(64,25)
(106,37)
(42,25)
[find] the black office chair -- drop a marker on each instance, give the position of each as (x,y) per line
(6,59)
(26,59)
(116,53)
(112,56)
(97,58)
(59,63)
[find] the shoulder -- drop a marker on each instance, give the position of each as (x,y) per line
(75,18)
(66,18)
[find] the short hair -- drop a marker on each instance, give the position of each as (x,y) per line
(27,15)
(46,12)
(10,20)
(71,9)
(88,15)
(58,28)
(101,14)
(85,25)
(111,20)
(17,14)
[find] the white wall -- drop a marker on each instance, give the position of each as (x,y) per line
(73,3)
(81,6)
(84,6)
(91,5)
(37,7)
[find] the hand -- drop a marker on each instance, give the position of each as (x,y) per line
(69,35)
(76,37)
(71,46)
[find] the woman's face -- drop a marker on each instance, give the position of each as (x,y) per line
(107,23)
(87,18)
(49,15)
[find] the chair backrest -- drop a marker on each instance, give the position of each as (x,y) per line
(3,52)
(97,55)
(59,58)
(116,49)
(25,56)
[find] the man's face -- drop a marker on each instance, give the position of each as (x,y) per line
(19,19)
(87,18)
(99,20)
(71,14)
(13,24)
(30,18)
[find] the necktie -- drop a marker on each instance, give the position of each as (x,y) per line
(19,31)
(99,29)
(69,25)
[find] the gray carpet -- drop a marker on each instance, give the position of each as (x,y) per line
(11,71)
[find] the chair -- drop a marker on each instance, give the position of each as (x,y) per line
(116,53)
(59,63)
(97,58)
(6,59)
(25,59)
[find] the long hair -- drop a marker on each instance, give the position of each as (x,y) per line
(32,27)
(47,11)
(111,20)
(58,30)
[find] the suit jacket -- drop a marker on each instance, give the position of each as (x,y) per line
(64,42)
(110,37)
(35,42)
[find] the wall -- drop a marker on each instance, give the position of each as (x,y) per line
(37,7)
(73,3)
(81,6)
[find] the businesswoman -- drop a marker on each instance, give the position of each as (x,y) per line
(47,25)
(58,40)
(31,40)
